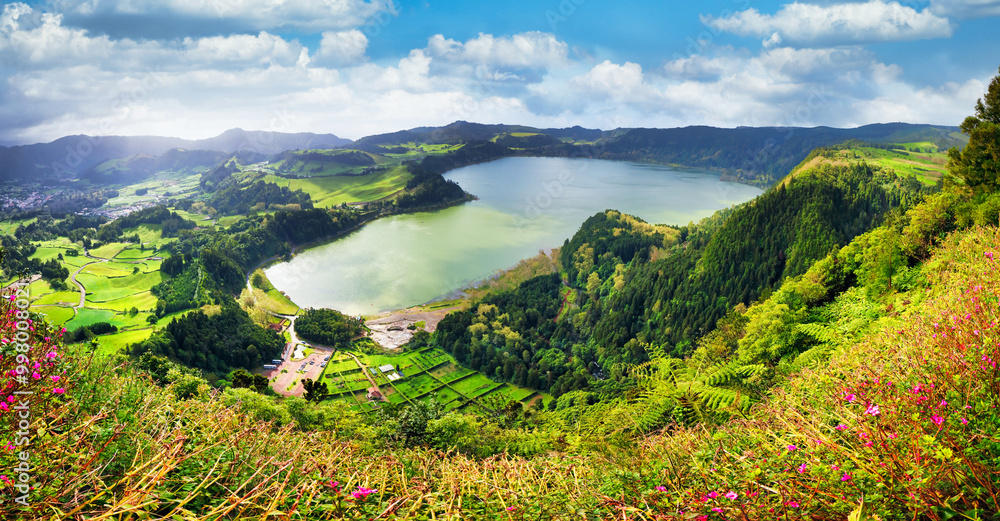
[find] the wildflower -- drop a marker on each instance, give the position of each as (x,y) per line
(872,410)
(661,488)
(943,403)
(59,390)
(849,398)
(713,494)
(845,477)
(834,467)
(792,504)
(4,406)
(731,495)
(717,510)
(55,378)
(333,484)
(989,255)
(362,492)
(937,419)
(964,421)
(802,468)
(35,375)
(841,427)
(511,509)
(792,448)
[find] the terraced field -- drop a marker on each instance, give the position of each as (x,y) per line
(427,374)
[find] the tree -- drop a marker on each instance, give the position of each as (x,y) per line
(315,390)
(978,164)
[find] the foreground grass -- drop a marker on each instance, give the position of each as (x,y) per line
(901,424)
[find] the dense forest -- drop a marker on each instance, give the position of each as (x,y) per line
(217,341)
(234,199)
(328,327)
(640,284)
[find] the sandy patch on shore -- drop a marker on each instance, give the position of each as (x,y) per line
(389,330)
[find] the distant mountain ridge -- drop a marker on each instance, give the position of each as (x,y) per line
(72,156)
(755,155)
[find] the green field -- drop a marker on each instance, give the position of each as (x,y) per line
(108,250)
(86,317)
(333,190)
(446,381)
(56,314)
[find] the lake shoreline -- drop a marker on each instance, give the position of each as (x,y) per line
(526,204)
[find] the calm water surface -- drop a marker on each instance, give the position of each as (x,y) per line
(525,204)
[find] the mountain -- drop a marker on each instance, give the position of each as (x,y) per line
(463,131)
(758,156)
(71,156)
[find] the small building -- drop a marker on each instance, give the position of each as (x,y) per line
(374,395)
(387,368)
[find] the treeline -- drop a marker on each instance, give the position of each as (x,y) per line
(171,222)
(209,258)
(218,341)
(639,284)
(328,327)
(513,335)
(234,199)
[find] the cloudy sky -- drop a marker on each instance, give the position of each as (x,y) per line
(194,68)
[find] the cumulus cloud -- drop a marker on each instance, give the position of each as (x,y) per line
(57,78)
(338,48)
(524,50)
(966,8)
(804,25)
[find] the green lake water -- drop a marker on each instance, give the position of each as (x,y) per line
(525,204)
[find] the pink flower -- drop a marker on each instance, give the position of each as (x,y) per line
(872,410)
(792,504)
(55,378)
(717,510)
(731,495)
(964,421)
(937,419)
(511,509)
(4,406)
(834,467)
(845,477)
(849,398)
(792,448)
(713,494)
(841,427)
(362,492)
(35,375)
(802,468)
(660,488)
(58,390)
(943,403)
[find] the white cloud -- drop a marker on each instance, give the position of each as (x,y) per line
(341,48)
(525,50)
(57,79)
(623,83)
(805,25)
(966,8)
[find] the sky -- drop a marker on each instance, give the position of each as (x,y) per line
(195,68)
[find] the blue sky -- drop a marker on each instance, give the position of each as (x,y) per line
(194,68)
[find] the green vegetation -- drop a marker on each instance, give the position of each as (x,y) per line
(827,351)
(328,327)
